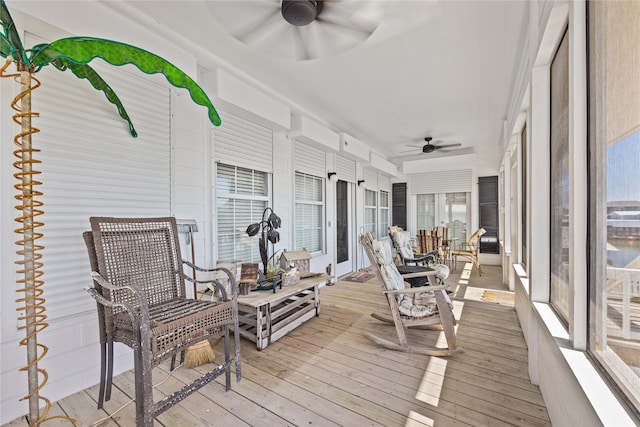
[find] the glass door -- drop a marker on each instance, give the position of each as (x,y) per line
(344,228)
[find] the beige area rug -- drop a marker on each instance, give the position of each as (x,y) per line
(498,297)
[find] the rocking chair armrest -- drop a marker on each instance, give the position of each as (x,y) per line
(417,290)
(419,274)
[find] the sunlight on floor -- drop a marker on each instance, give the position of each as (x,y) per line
(476,294)
(431,384)
(465,274)
(415,420)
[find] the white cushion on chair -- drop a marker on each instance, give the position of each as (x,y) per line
(384,258)
(390,274)
(442,272)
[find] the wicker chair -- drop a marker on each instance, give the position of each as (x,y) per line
(470,250)
(139,285)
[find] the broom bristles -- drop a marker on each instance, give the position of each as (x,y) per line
(199,354)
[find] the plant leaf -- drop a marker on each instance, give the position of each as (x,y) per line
(83,50)
(84,71)
(10,32)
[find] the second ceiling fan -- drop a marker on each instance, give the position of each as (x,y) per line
(430,148)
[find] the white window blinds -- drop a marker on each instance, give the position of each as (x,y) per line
(309,228)
(242,196)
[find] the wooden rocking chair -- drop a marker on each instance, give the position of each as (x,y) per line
(139,285)
(426,307)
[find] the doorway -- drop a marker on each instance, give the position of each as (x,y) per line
(344,228)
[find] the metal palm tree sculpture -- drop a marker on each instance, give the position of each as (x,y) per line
(73,54)
(267,226)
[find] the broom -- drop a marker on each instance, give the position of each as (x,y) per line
(201,352)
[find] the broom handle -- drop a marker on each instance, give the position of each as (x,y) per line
(193,262)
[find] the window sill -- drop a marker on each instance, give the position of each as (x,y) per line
(596,390)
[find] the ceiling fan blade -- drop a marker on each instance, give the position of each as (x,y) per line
(438,147)
(346,15)
(270,22)
(304,46)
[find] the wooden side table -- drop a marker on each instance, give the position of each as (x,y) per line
(265,317)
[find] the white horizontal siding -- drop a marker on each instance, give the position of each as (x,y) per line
(240,142)
(92,166)
(452,181)
(309,160)
(346,169)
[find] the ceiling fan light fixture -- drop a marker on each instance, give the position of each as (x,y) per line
(301,12)
(428,148)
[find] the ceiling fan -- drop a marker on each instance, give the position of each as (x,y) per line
(430,148)
(297,29)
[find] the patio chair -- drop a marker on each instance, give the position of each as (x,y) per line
(470,250)
(402,242)
(139,286)
(426,307)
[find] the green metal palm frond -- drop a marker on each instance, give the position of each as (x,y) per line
(84,71)
(5,46)
(10,34)
(82,50)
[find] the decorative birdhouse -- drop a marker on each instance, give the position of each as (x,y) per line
(298,259)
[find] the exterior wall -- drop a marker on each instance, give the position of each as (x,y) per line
(73,359)
(573,389)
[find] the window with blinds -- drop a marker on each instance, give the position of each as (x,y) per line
(370,211)
(383,213)
(309,216)
(242,196)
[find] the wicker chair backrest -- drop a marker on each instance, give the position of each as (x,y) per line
(139,252)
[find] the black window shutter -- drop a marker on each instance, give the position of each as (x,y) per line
(399,204)
(488,195)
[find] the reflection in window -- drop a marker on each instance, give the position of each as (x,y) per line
(560,221)
(615,189)
(449,210)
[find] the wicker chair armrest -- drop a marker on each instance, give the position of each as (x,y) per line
(214,283)
(138,317)
(417,290)
(143,305)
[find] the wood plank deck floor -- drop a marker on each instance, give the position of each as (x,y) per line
(327,373)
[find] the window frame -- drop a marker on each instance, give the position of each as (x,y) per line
(373,212)
(383,226)
(560,284)
(621,377)
(255,216)
(308,202)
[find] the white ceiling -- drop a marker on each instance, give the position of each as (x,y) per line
(431,68)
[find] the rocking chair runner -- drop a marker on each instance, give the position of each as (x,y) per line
(410,307)
(140,290)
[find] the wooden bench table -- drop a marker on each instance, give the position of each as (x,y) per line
(265,316)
